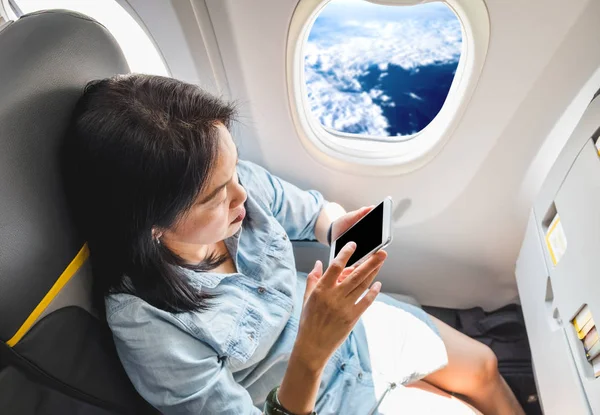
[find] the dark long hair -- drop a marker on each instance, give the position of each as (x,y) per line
(138,152)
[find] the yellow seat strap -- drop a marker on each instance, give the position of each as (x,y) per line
(64,278)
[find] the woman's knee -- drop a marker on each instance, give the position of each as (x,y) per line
(471,364)
(485,365)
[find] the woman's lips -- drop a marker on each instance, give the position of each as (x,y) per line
(240,217)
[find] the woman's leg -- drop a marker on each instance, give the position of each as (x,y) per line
(472,371)
(421,398)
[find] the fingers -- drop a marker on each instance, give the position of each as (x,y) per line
(368,299)
(363,272)
(338,264)
(318,269)
(345,273)
(312,279)
(362,287)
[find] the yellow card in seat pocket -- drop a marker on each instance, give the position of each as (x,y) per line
(587,327)
(583,316)
(556,241)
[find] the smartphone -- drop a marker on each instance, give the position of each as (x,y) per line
(372,233)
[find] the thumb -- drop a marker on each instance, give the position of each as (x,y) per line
(312,279)
(350,219)
(362,212)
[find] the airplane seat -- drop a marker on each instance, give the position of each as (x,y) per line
(55,356)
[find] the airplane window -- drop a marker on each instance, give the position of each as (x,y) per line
(382,71)
(141,54)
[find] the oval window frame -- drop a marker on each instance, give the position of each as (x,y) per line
(380,155)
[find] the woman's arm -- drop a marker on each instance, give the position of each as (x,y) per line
(203,385)
(304,215)
(330,311)
(329,213)
(298,390)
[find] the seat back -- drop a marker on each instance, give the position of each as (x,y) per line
(55,356)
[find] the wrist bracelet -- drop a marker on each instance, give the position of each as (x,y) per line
(329,233)
(273,407)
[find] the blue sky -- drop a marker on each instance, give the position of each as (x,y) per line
(350,36)
(341,10)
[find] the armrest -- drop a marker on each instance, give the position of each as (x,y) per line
(307,252)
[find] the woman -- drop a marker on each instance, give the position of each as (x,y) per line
(190,251)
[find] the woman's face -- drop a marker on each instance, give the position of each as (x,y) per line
(218,210)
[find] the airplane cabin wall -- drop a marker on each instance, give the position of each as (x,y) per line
(457,244)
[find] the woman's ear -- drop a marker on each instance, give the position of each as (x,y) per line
(156,234)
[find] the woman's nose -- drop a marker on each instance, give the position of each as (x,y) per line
(241,195)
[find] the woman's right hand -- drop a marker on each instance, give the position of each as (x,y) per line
(330,311)
(330,308)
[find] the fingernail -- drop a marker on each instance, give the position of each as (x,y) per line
(351,245)
(377,286)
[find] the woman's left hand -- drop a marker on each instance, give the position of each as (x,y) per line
(345,222)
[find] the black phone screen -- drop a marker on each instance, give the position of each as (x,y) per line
(366,233)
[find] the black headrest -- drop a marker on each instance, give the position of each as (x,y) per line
(46,59)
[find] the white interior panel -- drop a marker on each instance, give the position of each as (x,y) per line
(457,243)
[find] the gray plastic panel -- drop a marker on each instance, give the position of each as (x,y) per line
(557,378)
(576,276)
(551,295)
(589,123)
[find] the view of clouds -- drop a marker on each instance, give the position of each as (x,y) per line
(381,70)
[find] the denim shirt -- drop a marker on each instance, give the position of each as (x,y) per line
(227,359)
